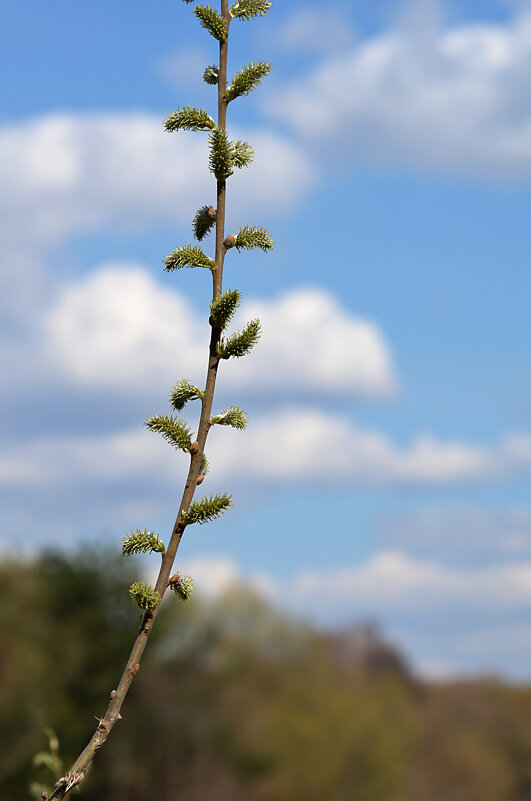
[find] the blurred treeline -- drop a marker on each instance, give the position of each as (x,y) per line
(234,702)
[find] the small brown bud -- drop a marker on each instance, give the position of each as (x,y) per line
(134,670)
(195,447)
(119,717)
(200,480)
(44,795)
(229,241)
(174,579)
(113,694)
(211,213)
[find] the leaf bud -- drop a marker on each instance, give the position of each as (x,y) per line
(200,480)
(211,213)
(229,241)
(195,447)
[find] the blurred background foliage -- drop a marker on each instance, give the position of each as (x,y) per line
(234,701)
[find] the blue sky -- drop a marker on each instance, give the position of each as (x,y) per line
(385,472)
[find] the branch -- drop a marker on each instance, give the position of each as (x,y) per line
(176,431)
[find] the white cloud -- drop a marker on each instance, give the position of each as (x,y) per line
(293,446)
(298,444)
(311,30)
(387,583)
(63,174)
(453,99)
(503,533)
(392,582)
(119,328)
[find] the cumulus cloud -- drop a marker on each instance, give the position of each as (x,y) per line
(298,444)
(454,531)
(294,445)
(311,30)
(451,99)
(391,581)
(118,328)
(62,174)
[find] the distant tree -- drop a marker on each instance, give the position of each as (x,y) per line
(237,702)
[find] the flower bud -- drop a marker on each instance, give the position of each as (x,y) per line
(229,241)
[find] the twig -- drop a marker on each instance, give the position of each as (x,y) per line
(237,154)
